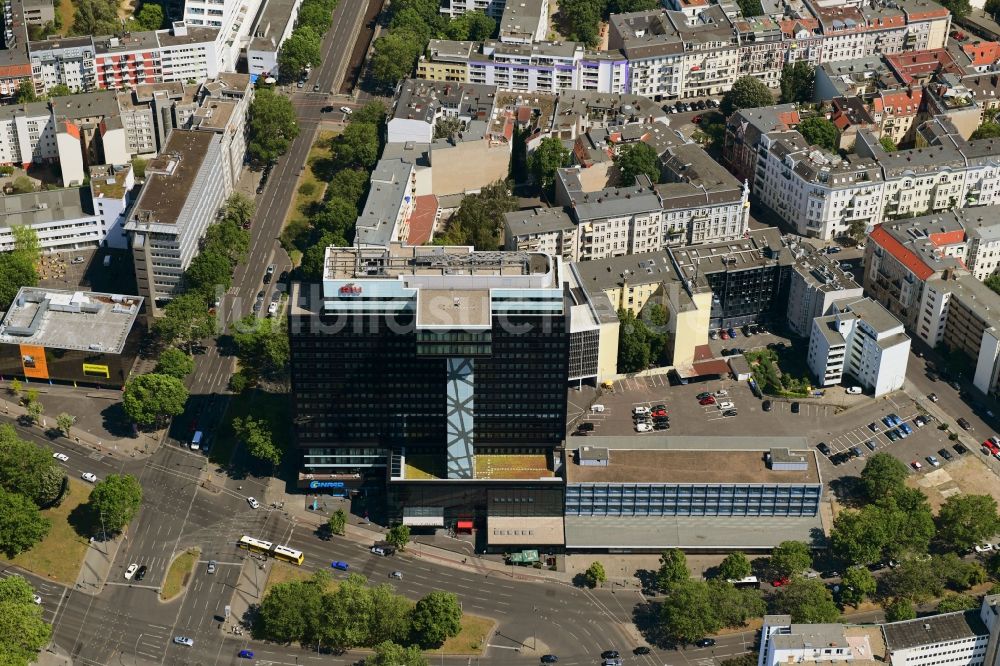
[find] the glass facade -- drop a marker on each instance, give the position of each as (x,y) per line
(748,295)
(629,499)
(462,500)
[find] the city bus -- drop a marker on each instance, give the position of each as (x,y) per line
(750,582)
(255,545)
(287,554)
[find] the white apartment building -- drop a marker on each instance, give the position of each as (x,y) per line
(233,20)
(862,340)
(420,104)
(956,639)
(274,25)
(186,54)
(982,230)
(783,642)
(549,230)
(109,194)
(64,61)
(27,134)
(181,53)
(524,21)
(453,8)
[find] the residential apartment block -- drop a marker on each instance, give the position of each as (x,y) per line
(274,25)
(230,19)
(492,8)
(861,340)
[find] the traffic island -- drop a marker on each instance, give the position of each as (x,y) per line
(179,574)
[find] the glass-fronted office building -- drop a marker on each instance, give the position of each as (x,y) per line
(643,499)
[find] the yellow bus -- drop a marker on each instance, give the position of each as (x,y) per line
(283,553)
(255,545)
(288,554)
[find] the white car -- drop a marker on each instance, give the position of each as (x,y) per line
(183,640)
(131,571)
(597,409)
(643,427)
(854,390)
(37,599)
(726,405)
(61,456)
(346,110)
(984,548)
(89,476)
(721,393)
(254,504)
(640,411)
(272,309)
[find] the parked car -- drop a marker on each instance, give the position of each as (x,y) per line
(246,654)
(965,425)
(944,454)
(211,566)
(37,599)
(854,390)
(960,449)
(874,427)
(705,642)
(766,405)
(346,110)
(779,582)
(549,659)
(327,109)
(88,476)
(916,465)
(707,401)
(272,309)
(932,397)
(60,456)
(730,413)
(726,405)
(586,426)
(183,640)
(984,548)
(254,504)
(871,445)
(130,571)
(141,573)
(893,435)
(642,649)
(316,87)
(824,449)
(933,461)
(703,394)
(643,427)
(610,654)
(661,425)
(640,410)
(905,429)
(732,332)
(920,421)
(857,452)
(795,408)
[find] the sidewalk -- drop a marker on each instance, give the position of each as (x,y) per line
(55,397)
(97,565)
(368,533)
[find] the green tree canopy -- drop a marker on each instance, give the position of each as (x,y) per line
(790,558)
(581,20)
(262,346)
(888,144)
(373,113)
(735,566)
(256,434)
(988,130)
(95,17)
(337,522)
(348,184)
(395,53)
(673,569)
(21,525)
(116,500)
(688,613)
(398,536)
(209,273)
(857,584)
(914,580)
(750,7)
(17,267)
(228,239)
(748,92)
(23,632)
(635,159)
(965,520)
(27,470)
(357,146)
(150,399)
(595,574)
(797,82)
(311,268)
(883,475)
(807,600)
(272,126)
(388,653)
(550,156)
(299,51)
(436,618)
(290,611)
(819,131)
(957,602)
(186,320)
(899,610)
(480,217)
(26,92)
(471,26)
(149,17)
(336,218)
(859,537)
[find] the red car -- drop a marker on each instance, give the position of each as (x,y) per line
(778,582)
(696,120)
(707,401)
(724,335)
(659,412)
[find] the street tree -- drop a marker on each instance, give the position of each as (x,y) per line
(95,17)
(311,267)
(735,607)
(14,388)
(151,399)
(856,585)
(965,520)
(912,523)
(64,422)
(299,51)
(186,321)
(115,500)
(21,524)
(357,146)
(240,208)
(595,574)
(899,610)
(688,613)
(883,475)
(436,618)
(807,600)
(748,92)
(390,620)
(34,411)
(395,53)
(797,82)
(23,632)
(349,184)
(735,566)
(398,536)
(373,113)
(175,363)
(27,469)
(958,574)
(859,537)
(790,558)
(914,580)
(337,522)
(388,653)
(347,614)
(637,159)
(282,613)
(229,239)
(256,434)
(336,218)
(272,126)
(548,157)
(819,131)
(673,569)
(209,273)
(957,602)
(262,346)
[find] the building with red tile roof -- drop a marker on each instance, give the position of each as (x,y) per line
(983,56)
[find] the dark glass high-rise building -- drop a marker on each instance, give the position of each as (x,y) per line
(436,375)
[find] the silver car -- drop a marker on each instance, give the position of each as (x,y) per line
(183,640)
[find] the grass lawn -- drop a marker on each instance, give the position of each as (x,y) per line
(472,638)
(270,406)
(60,555)
(282,572)
(178,574)
(309,189)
